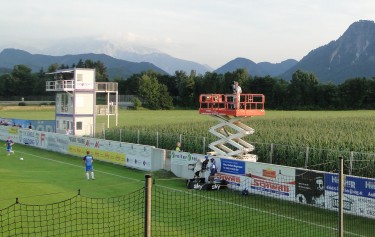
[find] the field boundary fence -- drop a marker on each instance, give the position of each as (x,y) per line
(355,163)
(160,211)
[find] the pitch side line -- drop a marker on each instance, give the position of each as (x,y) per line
(74,165)
(234,204)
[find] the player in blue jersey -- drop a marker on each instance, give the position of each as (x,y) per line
(9,144)
(87,162)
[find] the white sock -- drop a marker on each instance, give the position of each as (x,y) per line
(87,176)
(92,175)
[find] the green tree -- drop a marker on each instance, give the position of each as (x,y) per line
(148,91)
(23,79)
(302,89)
(165,100)
(356,93)
(101,72)
(274,90)
(241,76)
(211,83)
(186,89)
(53,67)
(327,96)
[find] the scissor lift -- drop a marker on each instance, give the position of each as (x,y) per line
(232,110)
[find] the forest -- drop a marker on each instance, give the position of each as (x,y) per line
(181,90)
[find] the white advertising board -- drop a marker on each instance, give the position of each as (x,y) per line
(271,180)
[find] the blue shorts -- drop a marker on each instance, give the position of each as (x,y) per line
(88,168)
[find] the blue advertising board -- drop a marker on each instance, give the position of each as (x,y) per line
(356,186)
(39,125)
(232,166)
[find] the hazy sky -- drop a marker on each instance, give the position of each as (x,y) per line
(210,32)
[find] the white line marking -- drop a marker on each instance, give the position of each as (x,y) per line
(177,190)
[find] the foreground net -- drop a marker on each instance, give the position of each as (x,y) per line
(188,212)
(77,216)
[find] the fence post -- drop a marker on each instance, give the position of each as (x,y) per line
(271,153)
(138,136)
(148,186)
(157,139)
(120,134)
(351,162)
(103,131)
(204,145)
(341,197)
(307,157)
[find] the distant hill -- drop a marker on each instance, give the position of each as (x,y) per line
(5,70)
(257,69)
(115,67)
(166,62)
(126,51)
(351,55)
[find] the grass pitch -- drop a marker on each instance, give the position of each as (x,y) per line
(44,177)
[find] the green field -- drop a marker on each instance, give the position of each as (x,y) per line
(324,135)
(343,130)
(45,182)
(327,134)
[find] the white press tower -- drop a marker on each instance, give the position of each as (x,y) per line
(75,100)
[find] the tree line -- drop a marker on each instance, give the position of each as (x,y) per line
(182,90)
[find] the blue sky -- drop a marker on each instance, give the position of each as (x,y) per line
(210,32)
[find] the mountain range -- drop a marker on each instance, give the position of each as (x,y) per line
(351,55)
(115,67)
(257,69)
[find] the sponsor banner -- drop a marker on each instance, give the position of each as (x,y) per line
(231,166)
(104,150)
(185,158)
(43,125)
(108,156)
(234,181)
(355,186)
(6,122)
(310,187)
(271,180)
(11,132)
(358,194)
(30,137)
(131,155)
(350,203)
(85,142)
(54,142)
(84,85)
(39,125)
(366,207)
(138,156)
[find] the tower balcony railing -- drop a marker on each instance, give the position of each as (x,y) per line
(106,86)
(106,110)
(60,85)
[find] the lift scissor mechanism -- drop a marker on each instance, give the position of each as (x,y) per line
(232,111)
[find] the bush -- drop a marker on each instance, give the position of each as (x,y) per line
(137,103)
(21,104)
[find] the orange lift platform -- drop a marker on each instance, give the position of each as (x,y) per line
(232,110)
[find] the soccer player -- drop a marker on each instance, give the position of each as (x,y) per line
(87,161)
(9,144)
